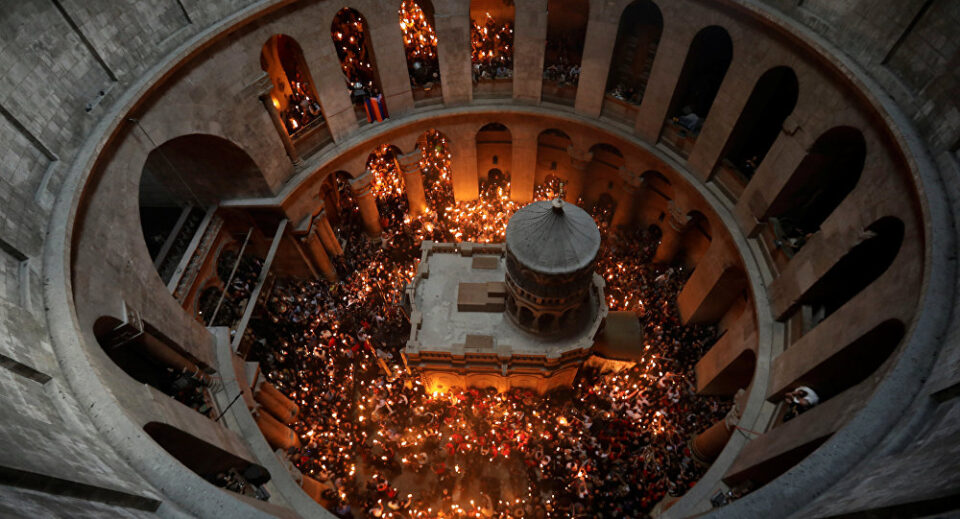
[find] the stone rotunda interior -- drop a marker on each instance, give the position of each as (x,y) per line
(215,214)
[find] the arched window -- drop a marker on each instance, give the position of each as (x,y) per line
(351,37)
(638,35)
(420,46)
(494,140)
(703,71)
(293,94)
(491,47)
(566,30)
(772,100)
(824,178)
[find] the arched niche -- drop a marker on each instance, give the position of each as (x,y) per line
(704,68)
(602,173)
(770,103)
(435,169)
(603,209)
(420,47)
(638,36)
(491,47)
(352,38)
(697,238)
(293,93)
(494,150)
(387,178)
(822,180)
(566,31)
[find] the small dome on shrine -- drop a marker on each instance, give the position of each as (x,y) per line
(553,237)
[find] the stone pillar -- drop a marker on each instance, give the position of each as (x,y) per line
(771,178)
(708,294)
(367,204)
(278,435)
(391,60)
(595,66)
(707,445)
(579,159)
(453,52)
(626,198)
(318,255)
(729,364)
(321,56)
(672,238)
(524,164)
(276,403)
(529,46)
(671,55)
(463,165)
(327,236)
(409,166)
(277,121)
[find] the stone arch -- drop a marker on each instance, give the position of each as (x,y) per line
(822,180)
(420,47)
(638,36)
(566,32)
(770,103)
(704,69)
(293,93)
(602,172)
(697,238)
(494,143)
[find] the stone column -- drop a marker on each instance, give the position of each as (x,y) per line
(453,52)
(281,407)
(325,231)
(711,290)
(529,46)
(367,204)
(524,164)
(321,56)
(707,445)
(278,435)
(318,254)
(579,159)
(672,238)
(391,60)
(409,166)
(277,121)
(626,202)
(595,66)
(671,55)
(463,165)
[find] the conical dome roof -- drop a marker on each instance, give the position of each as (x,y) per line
(553,237)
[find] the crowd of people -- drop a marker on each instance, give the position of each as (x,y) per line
(302,107)
(613,445)
(491,45)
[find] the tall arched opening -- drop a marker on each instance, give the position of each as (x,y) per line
(704,68)
(566,31)
(293,96)
(420,46)
(491,47)
(771,102)
(638,36)
(351,37)
(494,151)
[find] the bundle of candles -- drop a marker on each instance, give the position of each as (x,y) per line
(383,446)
